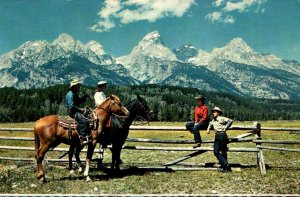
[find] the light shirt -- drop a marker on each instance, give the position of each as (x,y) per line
(220,124)
(99,98)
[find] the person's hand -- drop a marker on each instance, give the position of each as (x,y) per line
(208,132)
(81,110)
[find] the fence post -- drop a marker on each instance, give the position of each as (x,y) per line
(259,156)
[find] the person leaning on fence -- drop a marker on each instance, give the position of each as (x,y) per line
(73,102)
(200,120)
(99,96)
(220,124)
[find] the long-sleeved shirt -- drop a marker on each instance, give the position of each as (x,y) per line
(99,98)
(201,114)
(220,124)
(72,102)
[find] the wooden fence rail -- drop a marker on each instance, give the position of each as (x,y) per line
(255,129)
(173,128)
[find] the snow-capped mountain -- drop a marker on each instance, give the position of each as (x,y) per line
(245,71)
(32,64)
(149,61)
(238,51)
(234,68)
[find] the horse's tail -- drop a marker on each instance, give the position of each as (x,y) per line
(36,143)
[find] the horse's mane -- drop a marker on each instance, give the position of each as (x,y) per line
(140,99)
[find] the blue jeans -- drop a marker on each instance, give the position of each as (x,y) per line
(195,129)
(220,148)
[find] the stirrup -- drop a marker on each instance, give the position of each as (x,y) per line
(85,140)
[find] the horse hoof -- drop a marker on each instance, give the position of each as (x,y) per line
(43,180)
(72,172)
(80,169)
(88,179)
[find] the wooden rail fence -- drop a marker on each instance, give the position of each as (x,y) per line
(254,130)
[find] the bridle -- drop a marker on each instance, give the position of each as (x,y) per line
(144,119)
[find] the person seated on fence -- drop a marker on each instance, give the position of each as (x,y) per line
(73,102)
(99,96)
(200,120)
(220,124)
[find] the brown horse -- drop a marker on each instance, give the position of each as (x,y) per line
(49,134)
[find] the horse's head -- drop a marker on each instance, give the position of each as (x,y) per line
(116,106)
(144,110)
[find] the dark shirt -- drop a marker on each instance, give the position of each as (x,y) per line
(72,102)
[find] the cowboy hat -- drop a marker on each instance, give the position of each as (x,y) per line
(102,83)
(74,82)
(199,97)
(217,109)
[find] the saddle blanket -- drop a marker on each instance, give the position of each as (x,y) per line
(67,122)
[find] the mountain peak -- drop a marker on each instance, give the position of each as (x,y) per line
(153,37)
(64,40)
(237,44)
(95,47)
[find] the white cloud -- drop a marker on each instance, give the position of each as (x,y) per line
(129,11)
(218,17)
(226,7)
(242,6)
(214,16)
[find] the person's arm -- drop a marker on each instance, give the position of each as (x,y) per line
(70,103)
(228,123)
(205,114)
(97,99)
(208,128)
(195,115)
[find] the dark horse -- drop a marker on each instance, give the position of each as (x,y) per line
(118,136)
(49,134)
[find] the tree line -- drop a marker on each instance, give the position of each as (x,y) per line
(169,103)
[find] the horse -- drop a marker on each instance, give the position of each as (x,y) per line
(118,135)
(48,133)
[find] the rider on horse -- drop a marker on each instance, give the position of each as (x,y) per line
(72,102)
(99,96)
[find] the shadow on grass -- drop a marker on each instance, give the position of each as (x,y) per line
(108,174)
(113,174)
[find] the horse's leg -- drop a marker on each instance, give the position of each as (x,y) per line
(40,158)
(117,153)
(90,151)
(77,156)
(113,157)
(100,156)
(36,144)
(70,154)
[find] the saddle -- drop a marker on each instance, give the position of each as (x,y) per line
(67,122)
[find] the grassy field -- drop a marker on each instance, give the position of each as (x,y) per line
(283,174)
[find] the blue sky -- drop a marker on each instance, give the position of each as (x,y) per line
(268,26)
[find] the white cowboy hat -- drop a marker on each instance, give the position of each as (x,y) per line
(199,97)
(102,83)
(74,82)
(218,110)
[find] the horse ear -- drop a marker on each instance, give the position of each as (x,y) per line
(139,97)
(111,97)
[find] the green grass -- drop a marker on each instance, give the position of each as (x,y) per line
(282,178)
